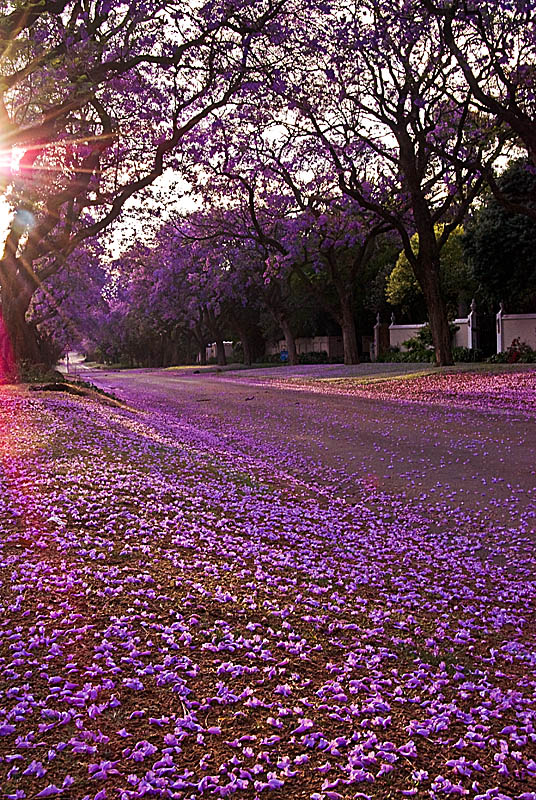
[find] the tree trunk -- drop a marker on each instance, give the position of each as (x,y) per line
(20,337)
(242,330)
(213,327)
(200,341)
(17,285)
(428,277)
(426,263)
(7,360)
(289,341)
(246,348)
(220,352)
(349,334)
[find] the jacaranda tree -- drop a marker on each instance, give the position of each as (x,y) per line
(386,102)
(97,97)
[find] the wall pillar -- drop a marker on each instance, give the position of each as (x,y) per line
(375,347)
(472,328)
(500,328)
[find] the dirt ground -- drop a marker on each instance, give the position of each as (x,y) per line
(234,584)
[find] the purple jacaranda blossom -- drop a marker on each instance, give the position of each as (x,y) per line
(50,791)
(103,770)
(304,726)
(35,768)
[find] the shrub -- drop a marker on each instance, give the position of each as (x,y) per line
(272,358)
(517,353)
(391,355)
(418,348)
(38,373)
(313,358)
(465,354)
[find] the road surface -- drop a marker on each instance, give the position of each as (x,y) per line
(465,460)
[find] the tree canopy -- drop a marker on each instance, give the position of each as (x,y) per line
(307,132)
(499,245)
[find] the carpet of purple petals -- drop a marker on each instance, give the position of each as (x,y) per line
(181,622)
(510,390)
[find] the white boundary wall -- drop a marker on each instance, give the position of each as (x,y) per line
(211,351)
(464,337)
(515,326)
(401,333)
(332,345)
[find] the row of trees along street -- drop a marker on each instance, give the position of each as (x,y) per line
(323,145)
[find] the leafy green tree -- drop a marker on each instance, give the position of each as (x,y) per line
(499,246)
(457,282)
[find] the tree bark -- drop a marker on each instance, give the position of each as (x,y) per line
(7,360)
(246,349)
(246,343)
(349,333)
(241,328)
(427,275)
(290,341)
(20,337)
(197,333)
(220,352)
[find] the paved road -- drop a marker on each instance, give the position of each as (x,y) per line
(434,456)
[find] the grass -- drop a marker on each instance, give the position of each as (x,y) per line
(478,367)
(218,368)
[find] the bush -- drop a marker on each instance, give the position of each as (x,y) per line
(518,353)
(303,358)
(466,355)
(38,373)
(313,358)
(272,358)
(419,348)
(391,355)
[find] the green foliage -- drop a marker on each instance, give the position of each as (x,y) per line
(313,358)
(417,356)
(518,353)
(499,245)
(467,355)
(420,347)
(378,270)
(304,358)
(37,373)
(403,290)
(401,287)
